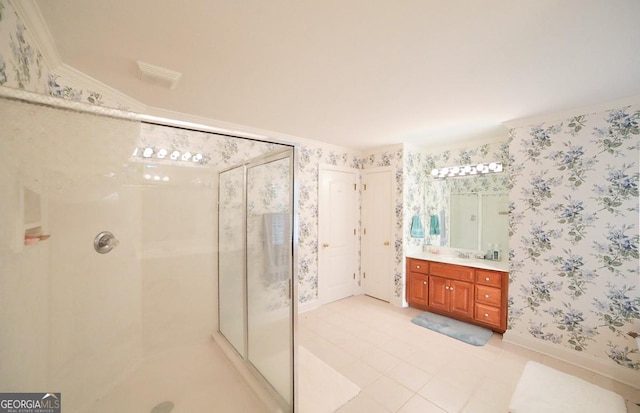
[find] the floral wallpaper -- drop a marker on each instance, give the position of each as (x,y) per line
(22,65)
(574,233)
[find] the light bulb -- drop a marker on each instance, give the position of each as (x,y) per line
(175,155)
(147,152)
(162,153)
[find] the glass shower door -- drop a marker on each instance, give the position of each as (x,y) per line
(269,270)
(231,263)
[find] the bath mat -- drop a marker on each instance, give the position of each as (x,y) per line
(543,389)
(322,389)
(468,333)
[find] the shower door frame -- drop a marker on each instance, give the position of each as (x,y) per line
(276,155)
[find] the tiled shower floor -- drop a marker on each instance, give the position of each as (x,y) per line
(196,378)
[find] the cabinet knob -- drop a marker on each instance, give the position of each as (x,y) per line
(424,282)
(486,314)
(486,296)
(417,266)
(487,279)
(451,288)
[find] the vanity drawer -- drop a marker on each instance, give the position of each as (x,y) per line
(488,314)
(492,278)
(456,272)
(419,266)
(488,295)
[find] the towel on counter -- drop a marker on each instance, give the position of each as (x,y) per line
(434,228)
(417,230)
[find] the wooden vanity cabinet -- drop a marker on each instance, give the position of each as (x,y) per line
(468,294)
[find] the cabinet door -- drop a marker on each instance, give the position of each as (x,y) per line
(418,287)
(461,298)
(438,297)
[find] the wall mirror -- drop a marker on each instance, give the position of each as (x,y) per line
(470,212)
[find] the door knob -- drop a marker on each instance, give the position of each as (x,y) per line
(325,245)
(386,243)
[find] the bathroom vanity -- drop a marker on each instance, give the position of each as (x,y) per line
(473,291)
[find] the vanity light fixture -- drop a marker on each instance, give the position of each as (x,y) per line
(455,171)
(175,155)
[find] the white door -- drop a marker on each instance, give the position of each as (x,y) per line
(377,235)
(337,219)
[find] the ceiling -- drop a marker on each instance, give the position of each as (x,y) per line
(359,73)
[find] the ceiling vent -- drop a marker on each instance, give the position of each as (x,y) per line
(158,75)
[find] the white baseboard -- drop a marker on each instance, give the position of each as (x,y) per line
(603,367)
(308,306)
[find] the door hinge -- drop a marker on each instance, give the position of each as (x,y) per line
(289,289)
(354,275)
(365,231)
(365,187)
(354,186)
(354,231)
(364,275)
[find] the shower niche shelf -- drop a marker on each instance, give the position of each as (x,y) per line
(31,214)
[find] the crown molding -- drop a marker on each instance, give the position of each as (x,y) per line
(83,81)
(29,13)
(186,120)
(567,114)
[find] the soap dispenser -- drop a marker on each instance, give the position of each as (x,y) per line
(496,252)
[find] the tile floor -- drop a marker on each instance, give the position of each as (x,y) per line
(404,368)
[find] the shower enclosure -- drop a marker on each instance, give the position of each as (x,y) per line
(255,264)
(110,245)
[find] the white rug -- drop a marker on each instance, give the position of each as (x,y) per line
(543,389)
(322,389)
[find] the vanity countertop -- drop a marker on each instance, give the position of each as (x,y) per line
(468,262)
